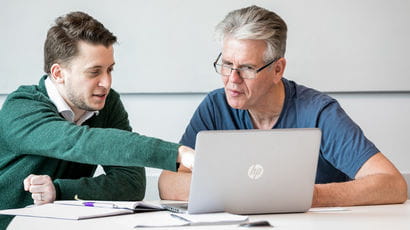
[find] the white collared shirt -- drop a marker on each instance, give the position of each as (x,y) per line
(62,107)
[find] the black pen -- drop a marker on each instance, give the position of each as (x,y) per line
(260,223)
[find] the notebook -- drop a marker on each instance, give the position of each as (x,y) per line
(78,210)
(253,171)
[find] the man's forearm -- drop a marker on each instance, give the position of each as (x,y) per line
(372,189)
(174,186)
(118,183)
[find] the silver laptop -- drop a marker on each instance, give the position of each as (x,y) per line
(253,171)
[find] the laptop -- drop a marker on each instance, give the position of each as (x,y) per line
(253,171)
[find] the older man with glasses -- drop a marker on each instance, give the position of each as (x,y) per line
(351,170)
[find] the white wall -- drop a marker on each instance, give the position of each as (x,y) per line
(331,44)
(384,118)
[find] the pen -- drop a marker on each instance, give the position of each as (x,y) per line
(179,217)
(95,204)
(261,223)
(99,204)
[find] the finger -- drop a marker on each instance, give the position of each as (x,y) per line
(44,188)
(42,179)
(41,202)
(188,160)
(182,150)
(38,188)
(26,182)
(43,198)
(37,202)
(37,196)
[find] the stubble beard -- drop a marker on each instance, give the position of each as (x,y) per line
(78,102)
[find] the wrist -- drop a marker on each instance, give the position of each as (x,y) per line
(315,198)
(179,154)
(57,190)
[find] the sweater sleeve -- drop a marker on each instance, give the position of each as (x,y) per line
(30,125)
(118,183)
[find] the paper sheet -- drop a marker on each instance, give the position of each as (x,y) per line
(219,218)
(69,212)
(168,219)
(157,219)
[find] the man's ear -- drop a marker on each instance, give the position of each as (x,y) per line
(56,73)
(279,69)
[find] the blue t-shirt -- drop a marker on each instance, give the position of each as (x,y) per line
(344,148)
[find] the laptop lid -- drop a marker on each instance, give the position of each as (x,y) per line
(254,171)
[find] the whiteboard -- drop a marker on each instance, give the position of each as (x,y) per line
(168,45)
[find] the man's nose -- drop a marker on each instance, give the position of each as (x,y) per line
(105,81)
(235,75)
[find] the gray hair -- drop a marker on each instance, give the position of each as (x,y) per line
(257,23)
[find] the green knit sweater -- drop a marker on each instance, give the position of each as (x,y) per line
(35,139)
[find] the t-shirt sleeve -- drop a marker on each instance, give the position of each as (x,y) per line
(344,144)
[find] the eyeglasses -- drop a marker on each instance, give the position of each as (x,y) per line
(244,72)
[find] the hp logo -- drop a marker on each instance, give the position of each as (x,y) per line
(255,171)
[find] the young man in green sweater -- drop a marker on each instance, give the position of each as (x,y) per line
(54,134)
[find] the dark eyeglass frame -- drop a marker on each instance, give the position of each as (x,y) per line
(232,69)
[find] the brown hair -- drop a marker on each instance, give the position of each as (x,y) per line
(62,38)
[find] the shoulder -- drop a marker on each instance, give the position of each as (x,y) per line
(217,94)
(26,103)
(308,98)
(26,94)
(214,103)
(215,98)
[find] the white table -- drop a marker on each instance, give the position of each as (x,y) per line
(359,217)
